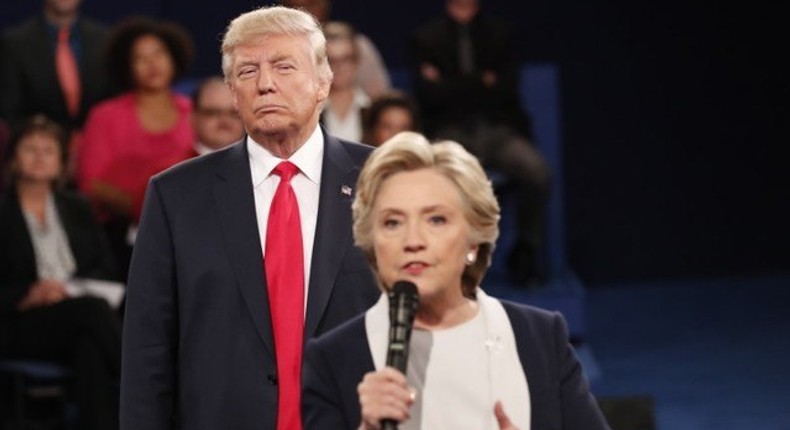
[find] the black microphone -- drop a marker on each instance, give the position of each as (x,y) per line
(403,306)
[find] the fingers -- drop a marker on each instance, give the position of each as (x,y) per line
(384,394)
(42,293)
(52,291)
(502,418)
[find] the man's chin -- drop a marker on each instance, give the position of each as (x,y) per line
(269,127)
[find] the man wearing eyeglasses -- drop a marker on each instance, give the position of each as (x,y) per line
(214,118)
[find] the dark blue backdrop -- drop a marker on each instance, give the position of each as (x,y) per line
(674,119)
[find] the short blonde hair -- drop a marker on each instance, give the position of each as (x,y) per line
(409,151)
(275,20)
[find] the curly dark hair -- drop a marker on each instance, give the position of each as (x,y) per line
(388,99)
(125,33)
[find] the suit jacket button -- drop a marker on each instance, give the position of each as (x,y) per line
(272,379)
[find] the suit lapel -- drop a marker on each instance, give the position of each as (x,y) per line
(20,234)
(333,228)
(233,194)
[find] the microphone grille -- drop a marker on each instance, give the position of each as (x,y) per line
(404,287)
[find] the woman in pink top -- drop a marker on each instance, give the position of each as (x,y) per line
(129,138)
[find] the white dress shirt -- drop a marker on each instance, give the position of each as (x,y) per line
(349,127)
(306,185)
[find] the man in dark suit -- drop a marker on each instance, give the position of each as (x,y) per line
(214,328)
(29,77)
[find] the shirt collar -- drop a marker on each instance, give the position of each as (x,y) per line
(307,158)
(360,100)
(202,149)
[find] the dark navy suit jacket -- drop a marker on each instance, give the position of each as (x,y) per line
(28,78)
(197,348)
(560,398)
(17,258)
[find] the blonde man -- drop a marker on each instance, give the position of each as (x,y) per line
(245,253)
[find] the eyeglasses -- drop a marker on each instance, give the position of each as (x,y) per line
(217,112)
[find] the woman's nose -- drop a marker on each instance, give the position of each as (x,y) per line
(414,238)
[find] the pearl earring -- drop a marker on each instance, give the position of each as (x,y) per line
(470,258)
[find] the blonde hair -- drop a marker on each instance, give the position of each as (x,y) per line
(408,151)
(275,20)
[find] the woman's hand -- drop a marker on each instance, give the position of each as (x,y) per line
(502,418)
(383,395)
(43,293)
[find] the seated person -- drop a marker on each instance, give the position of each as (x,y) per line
(347,102)
(389,114)
(466,83)
(427,214)
(133,136)
(49,239)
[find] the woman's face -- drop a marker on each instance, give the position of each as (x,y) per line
(340,54)
(392,121)
(152,65)
(420,234)
(38,158)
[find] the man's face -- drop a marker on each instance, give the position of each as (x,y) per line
(214,117)
(462,11)
(62,7)
(276,86)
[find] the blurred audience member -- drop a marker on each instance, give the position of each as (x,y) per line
(389,114)
(130,137)
(215,120)
(467,88)
(372,74)
(51,64)
(49,240)
(466,70)
(343,110)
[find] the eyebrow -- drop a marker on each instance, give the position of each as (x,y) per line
(427,209)
(281,57)
(241,62)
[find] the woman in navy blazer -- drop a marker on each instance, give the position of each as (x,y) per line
(38,318)
(426,214)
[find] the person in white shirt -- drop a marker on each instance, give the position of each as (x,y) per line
(347,102)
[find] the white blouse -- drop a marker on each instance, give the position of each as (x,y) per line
(449,370)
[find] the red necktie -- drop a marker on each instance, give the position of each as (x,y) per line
(67,71)
(285,281)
